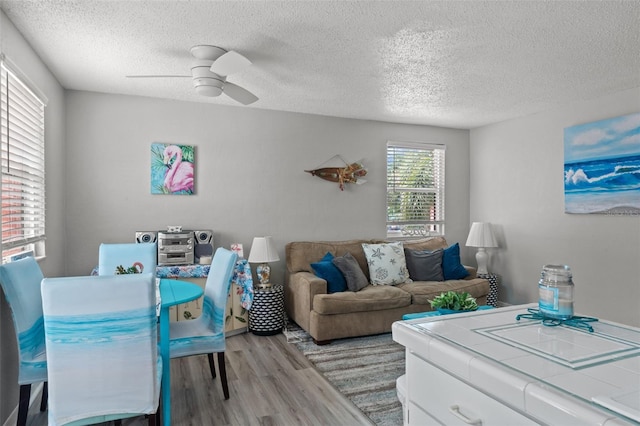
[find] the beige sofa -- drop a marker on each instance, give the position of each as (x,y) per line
(369,311)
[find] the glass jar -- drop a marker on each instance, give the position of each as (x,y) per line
(555,290)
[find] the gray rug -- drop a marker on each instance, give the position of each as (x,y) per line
(364,369)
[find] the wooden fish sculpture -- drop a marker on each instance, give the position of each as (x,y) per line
(348,174)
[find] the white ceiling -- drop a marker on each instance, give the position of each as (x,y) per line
(457,64)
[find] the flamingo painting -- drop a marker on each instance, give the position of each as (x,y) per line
(172,169)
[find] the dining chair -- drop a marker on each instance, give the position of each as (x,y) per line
(122,258)
(101,337)
(20,282)
(205,334)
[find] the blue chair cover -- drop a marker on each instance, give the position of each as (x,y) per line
(20,282)
(101,337)
(205,334)
(21,285)
(141,256)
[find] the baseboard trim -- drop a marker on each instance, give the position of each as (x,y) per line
(36,392)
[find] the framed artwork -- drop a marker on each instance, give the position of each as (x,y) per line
(602,167)
(172,168)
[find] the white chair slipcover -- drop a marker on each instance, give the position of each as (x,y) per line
(20,282)
(205,334)
(141,256)
(101,337)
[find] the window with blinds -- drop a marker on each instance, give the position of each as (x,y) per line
(415,189)
(22,162)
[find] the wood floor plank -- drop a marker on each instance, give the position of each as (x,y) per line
(270,383)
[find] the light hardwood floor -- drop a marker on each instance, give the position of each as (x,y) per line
(270,383)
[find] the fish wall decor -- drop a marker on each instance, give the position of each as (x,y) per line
(343,173)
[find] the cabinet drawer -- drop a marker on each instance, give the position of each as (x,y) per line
(453,402)
(418,417)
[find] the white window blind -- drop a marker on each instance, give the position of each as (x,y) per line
(22,164)
(415,189)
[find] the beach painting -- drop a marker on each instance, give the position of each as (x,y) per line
(602,167)
(172,169)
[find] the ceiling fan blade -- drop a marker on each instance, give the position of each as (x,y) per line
(156,76)
(229,63)
(239,94)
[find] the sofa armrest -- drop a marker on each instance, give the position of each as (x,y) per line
(473,272)
(299,294)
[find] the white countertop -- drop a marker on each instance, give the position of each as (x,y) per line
(530,366)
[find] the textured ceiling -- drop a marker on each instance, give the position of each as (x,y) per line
(456,64)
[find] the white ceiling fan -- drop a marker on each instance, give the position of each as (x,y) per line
(209,72)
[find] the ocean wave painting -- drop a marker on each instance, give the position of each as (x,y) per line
(602,167)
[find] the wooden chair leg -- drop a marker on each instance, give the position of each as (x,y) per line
(117,422)
(211,365)
(45,397)
(23,405)
(152,420)
(223,375)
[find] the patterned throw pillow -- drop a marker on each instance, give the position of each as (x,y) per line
(387,264)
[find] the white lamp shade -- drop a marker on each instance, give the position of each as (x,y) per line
(263,251)
(481,235)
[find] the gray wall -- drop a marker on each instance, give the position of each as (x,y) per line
(250,178)
(20,53)
(517,184)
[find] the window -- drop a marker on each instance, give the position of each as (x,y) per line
(415,189)
(22,164)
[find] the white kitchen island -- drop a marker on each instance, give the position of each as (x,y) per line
(487,368)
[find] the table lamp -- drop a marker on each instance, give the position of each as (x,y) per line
(263,251)
(481,236)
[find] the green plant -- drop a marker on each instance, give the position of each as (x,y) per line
(121,270)
(454,301)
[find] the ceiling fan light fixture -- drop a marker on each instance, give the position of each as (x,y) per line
(210,87)
(210,91)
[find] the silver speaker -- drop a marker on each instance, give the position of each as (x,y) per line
(204,244)
(146,236)
(204,237)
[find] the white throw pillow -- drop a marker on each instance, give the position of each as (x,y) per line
(387,264)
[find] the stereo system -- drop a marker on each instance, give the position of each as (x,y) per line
(180,247)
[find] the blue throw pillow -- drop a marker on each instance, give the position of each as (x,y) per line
(326,270)
(452,269)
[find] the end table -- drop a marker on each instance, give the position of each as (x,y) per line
(492,297)
(266,316)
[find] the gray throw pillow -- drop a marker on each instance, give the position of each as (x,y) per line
(424,265)
(348,265)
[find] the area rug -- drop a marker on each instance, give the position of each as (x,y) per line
(364,369)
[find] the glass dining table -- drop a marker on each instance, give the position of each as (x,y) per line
(172,292)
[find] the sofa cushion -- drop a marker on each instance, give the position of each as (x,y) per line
(300,254)
(430,243)
(424,265)
(370,298)
(353,275)
(452,269)
(326,270)
(387,265)
(424,291)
